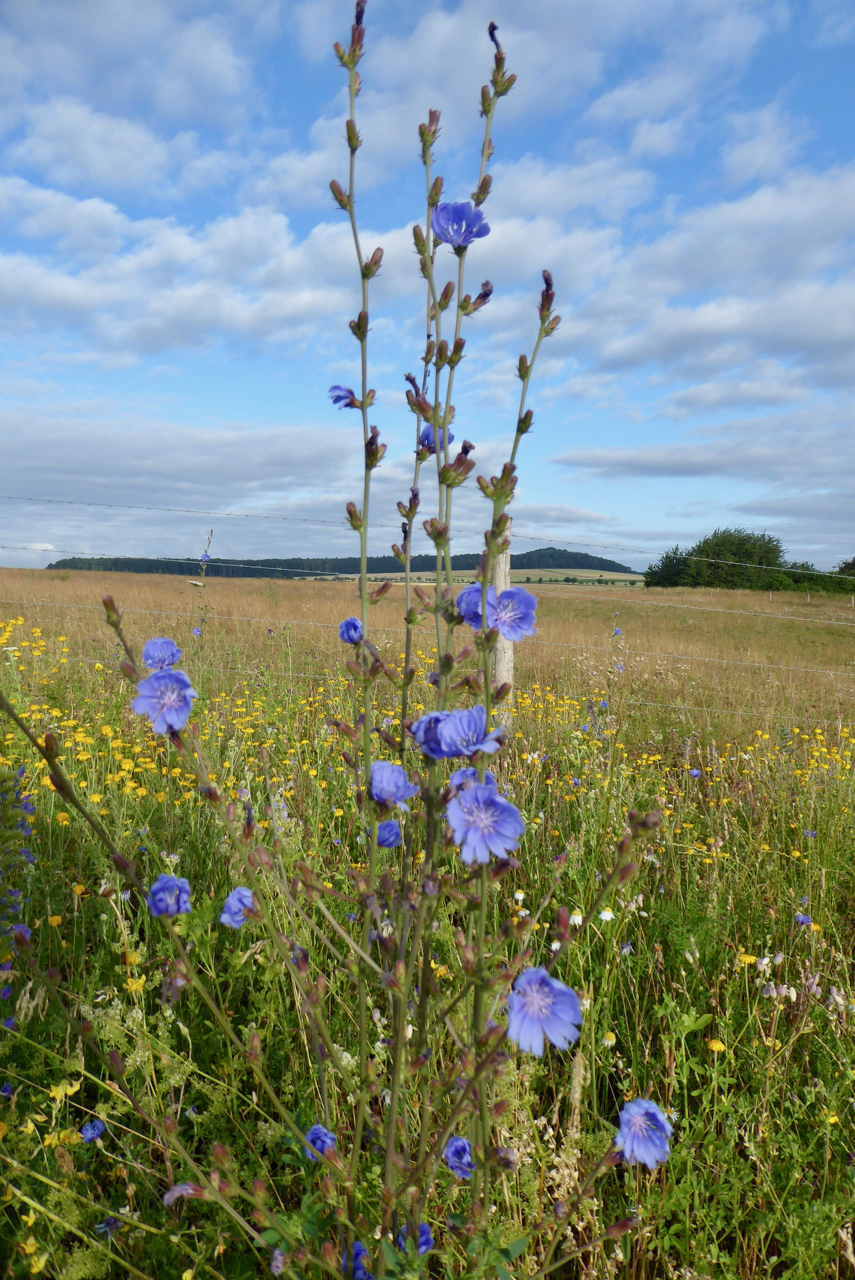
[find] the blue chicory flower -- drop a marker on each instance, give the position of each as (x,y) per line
(512,613)
(160,653)
(169,896)
(425,1239)
(694,773)
(427,439)
(166,697)
(238,907)
(360,1270)
(803,920)
(469,603)
(350,631)
(109,1226)
(643,1133)
(390,785)
(8,1024)
(322,1140)
(483,822)
(617,631)
(539,1006)
(468,777)
(389,834)
(92,1130)
(204,558)
(197,631)
(426,733)
(458,223)
(458,1157)
(462,733)
(343,397)
(7,993)
(445,734)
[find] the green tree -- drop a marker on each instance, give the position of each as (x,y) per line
(727,558)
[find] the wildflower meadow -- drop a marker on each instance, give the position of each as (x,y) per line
(345,957)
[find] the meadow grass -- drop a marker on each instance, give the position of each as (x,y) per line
(732,720)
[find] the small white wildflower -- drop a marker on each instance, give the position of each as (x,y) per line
(576,918)
(607,914)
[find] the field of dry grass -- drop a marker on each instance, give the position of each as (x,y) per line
(689,662)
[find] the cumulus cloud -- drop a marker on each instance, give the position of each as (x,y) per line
(764,144)
(70,145)
(805,449)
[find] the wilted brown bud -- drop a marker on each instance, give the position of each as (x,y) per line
(618,1229)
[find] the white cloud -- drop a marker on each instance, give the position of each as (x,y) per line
(120,55)
(70,145)
(765,144)
(607,185)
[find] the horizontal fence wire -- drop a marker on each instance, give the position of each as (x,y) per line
(342,524)
(642,601)
(581,698)
(384,630)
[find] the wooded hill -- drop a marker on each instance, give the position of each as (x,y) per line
(304,567)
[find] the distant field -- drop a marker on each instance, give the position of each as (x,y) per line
(711,663)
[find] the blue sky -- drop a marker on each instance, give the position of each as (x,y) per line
(175,281)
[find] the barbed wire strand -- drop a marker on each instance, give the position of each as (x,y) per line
(699,608)
(582,697)
(250,515)
(552,644)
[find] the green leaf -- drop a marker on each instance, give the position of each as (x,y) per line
(502,1273)
(270,1237)
(512,1251)
(703,1021)
(391,1254)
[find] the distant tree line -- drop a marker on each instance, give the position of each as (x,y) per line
(305,567)
(739,558)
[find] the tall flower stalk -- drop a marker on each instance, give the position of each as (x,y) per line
(438,836)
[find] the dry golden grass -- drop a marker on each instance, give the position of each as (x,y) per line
(715,664)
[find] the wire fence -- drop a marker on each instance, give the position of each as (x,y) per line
(384,629)
(341,523)
(645,601)
(582,699)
